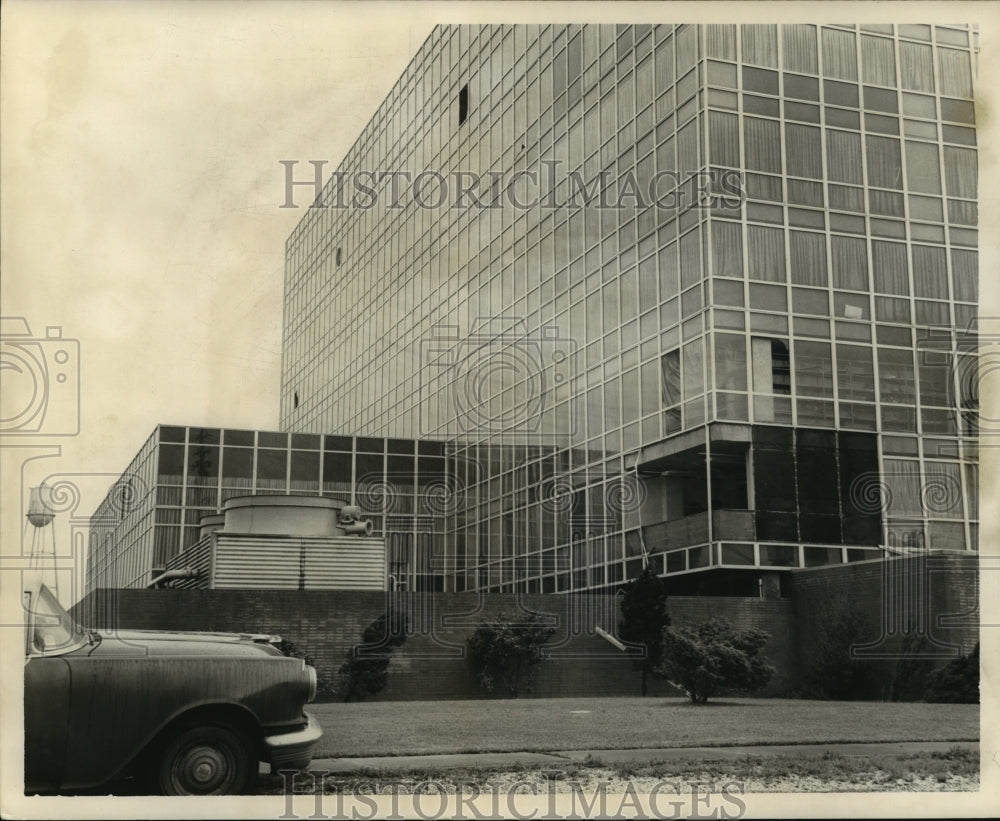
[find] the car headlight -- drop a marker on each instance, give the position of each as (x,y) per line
(312,684)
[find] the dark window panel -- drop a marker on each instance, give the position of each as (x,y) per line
(801,88)
(822,529)
(774,480)
(237,463)
(776,527)
(342,443)
(272,465)
(958,111)
(370,445)
(267,439)
(305,468)
(204,436)
(760,80)
(238,437)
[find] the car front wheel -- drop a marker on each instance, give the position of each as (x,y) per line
(209,759)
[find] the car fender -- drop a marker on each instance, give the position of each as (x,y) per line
(118,713)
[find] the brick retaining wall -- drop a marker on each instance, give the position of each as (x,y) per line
(430,664)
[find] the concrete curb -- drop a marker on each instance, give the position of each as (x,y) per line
(560,758)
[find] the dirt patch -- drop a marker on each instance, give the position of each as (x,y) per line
(830,774)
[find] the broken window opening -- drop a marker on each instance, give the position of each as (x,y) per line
(772,366)
(781,368)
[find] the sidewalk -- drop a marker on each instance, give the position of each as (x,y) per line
(553,760)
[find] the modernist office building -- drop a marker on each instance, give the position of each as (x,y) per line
(768,383)
(768,366)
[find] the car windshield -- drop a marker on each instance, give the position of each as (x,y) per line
(54,628)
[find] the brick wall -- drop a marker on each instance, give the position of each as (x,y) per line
(936,594)
(903,594)
(430,664)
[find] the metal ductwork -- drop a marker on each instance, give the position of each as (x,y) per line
(350,521)
(170,575)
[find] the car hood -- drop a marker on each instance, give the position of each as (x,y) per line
(171,643)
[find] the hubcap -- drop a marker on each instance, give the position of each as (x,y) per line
(204,768)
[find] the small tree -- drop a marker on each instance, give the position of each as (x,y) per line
(644,618)
(365,671)
(503,651)
(957,682)
(713,657)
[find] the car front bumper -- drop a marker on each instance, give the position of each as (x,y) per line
(294,750)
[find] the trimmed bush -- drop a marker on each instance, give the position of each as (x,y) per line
(713,658)
(325,686)
(502,652)
(365,670)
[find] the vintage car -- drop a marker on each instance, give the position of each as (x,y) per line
(178,713)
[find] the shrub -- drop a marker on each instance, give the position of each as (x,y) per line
(713,657)
(829,669)
(365,670)
(503,651)
(957,682)
(289,648)
(325,686)
(911,671)
(644,618)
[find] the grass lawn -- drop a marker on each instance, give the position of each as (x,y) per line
(421,727)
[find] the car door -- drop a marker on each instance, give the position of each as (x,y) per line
(47,685)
